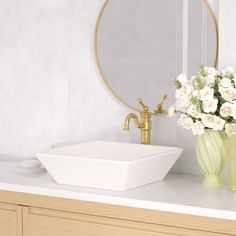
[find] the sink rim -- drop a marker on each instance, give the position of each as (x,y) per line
(52,152)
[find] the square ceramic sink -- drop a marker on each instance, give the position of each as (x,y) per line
(109,165)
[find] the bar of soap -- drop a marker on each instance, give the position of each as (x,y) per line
(30,164)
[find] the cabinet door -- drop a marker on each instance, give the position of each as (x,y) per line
(10,220)
(38,222)
(45,222)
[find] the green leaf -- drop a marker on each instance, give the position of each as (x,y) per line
(196,102)
(177,84)
(218,78)
(202,70)
(200,82)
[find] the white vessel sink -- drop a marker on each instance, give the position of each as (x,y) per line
(109,165)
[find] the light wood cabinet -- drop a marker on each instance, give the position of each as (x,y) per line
(47,222)
(34,215)
(10,220)
(54,223)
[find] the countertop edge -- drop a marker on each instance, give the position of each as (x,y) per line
(121,201)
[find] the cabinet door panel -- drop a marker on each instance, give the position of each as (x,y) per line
(38,222)
(10,220)
(48,226)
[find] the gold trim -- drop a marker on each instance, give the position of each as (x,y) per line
(110,89)
(215,26)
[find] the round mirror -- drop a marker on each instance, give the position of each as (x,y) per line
(141,46)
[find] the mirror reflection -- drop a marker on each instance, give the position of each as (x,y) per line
(141,46)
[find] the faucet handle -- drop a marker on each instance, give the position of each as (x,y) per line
(160,109)
(145,107)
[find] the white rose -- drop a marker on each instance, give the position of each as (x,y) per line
(189,87)
(210,80)
(230,129)
(180,106)
(195,94)
(226,109)
(220,123)
(178,93)
(181,94)
(209,121)
(226,83)
(171,111)
(206,93)
(186,122)
(211,71)
(194,111)
(228,94)
(229,71)
(182,103)
(198,128)
(183,97)
(182,78)
(233,110)
(210,105)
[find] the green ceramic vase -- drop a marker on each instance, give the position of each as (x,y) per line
(211,154)
(232,161)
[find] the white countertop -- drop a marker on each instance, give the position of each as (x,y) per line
(177,193)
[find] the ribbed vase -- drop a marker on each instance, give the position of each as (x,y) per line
(232,161)
(211,155)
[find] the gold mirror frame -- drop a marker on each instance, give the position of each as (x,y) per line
(111,90)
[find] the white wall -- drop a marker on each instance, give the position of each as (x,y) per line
(50,91)
(50,87)
(227,28)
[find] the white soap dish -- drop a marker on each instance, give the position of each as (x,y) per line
(32,168)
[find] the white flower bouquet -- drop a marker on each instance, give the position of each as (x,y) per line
(206,101)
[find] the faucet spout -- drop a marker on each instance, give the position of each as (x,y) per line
(127,121)
(144,124)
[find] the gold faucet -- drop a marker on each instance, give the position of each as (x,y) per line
(145,124)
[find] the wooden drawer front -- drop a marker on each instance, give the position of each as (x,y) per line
(9,220)
(152,218)
(38,222)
